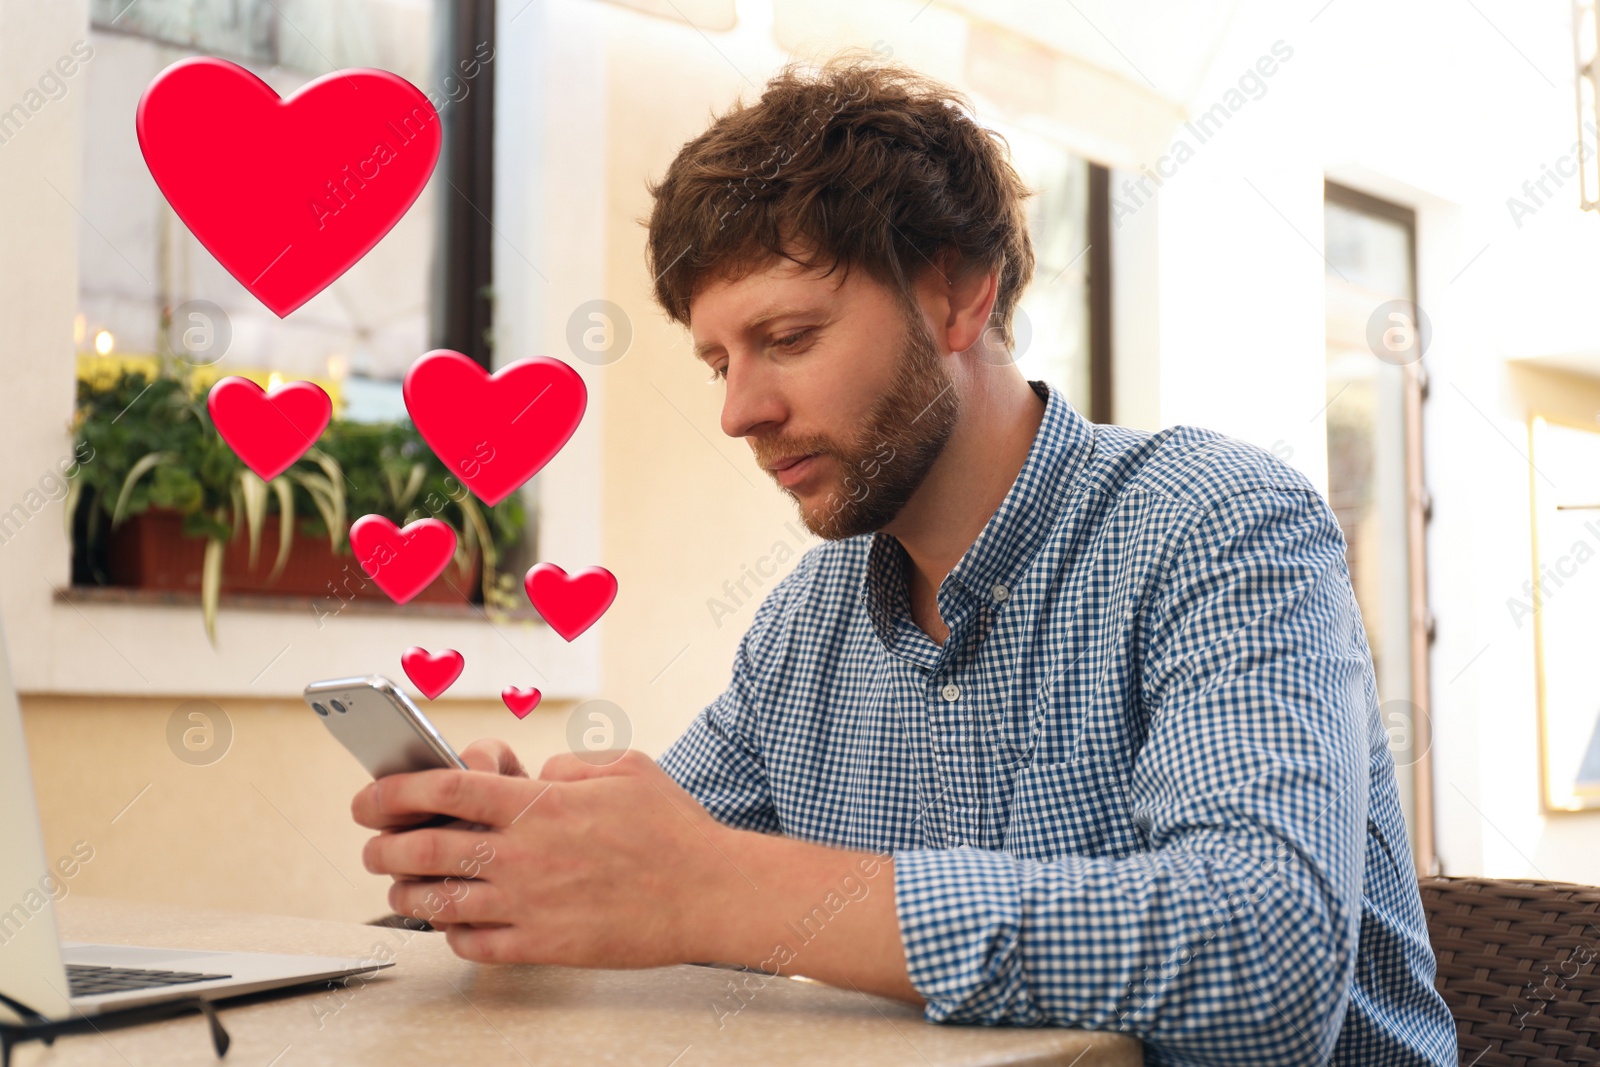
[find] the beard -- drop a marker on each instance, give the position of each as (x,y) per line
(885,463)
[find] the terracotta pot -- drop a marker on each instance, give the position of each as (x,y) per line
(150,551)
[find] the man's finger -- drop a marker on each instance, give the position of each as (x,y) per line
(364,810)
(435,853)
(484,944)
(481,756)
(476,796)
(494,756)
(449,901)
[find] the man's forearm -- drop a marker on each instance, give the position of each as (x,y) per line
(790,907)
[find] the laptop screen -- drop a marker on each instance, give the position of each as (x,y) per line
(31,971)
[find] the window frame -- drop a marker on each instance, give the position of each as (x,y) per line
(1419,513)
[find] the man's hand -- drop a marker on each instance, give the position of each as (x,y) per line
(490,755)
(588,865)
(614,865)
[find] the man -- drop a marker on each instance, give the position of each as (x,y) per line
(1062,723)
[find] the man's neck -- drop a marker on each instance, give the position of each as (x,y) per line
(999,420)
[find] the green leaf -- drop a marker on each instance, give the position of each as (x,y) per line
(173,487)
(478,529)
(335,491)
(413,485)
(322,492)
(145,465)
(465,543)
(211,585)
(285,490)
(74,493)
(209,524)
(253,491)
(391,478)
(235,508)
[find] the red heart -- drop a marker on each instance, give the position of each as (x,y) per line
(287,194)
(520,701)
(487,429)
(432,672)
(570,604)
(269,431)
(402,562)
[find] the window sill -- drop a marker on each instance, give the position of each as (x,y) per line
(143,643)
(106,594)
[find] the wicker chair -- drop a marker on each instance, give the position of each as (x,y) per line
(1519,965)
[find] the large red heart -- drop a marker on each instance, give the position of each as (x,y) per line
(432,672)
(402,562)
(496,431)
(269,431)
(570,604)
(287,193)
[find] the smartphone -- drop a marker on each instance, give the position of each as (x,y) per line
(382,728)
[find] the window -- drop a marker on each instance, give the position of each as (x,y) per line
(1376,342)
(148,288)
(138,261)
(1062,322)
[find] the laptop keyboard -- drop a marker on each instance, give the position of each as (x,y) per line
(88,979)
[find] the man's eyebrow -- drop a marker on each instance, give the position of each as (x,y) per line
(755,323)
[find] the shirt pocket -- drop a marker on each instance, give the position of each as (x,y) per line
(1076,807)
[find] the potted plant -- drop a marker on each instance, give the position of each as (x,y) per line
(168,505)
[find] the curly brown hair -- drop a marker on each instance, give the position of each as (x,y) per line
(853,163)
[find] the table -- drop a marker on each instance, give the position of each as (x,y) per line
(435,1008)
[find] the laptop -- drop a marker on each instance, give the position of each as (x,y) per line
(47,979)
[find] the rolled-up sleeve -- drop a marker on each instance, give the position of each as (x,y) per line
(1232,938)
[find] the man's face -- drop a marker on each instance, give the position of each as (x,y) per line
(844,398)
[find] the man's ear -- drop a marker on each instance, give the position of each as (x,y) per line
(963,296)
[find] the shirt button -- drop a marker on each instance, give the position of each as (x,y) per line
(1000,592)
(951,692)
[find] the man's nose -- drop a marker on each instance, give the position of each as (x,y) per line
(752,399)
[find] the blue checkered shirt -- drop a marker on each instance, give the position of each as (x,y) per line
(1142,786)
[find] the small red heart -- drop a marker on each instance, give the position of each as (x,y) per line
(402,562)
(496,431)
(570,604)
(520,701)
(268,431)
(432,672)
(288,194)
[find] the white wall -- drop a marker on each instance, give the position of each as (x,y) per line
(1447,111)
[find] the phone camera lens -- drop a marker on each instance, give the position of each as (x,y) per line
(319,709)
(337,706)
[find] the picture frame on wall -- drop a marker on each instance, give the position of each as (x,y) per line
(1561,601)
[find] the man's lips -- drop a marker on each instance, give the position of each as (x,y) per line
(789,461)
(794,470)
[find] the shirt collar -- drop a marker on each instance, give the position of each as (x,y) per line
(1013,534)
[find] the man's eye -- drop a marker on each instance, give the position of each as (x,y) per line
(791,339)
(717,373)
